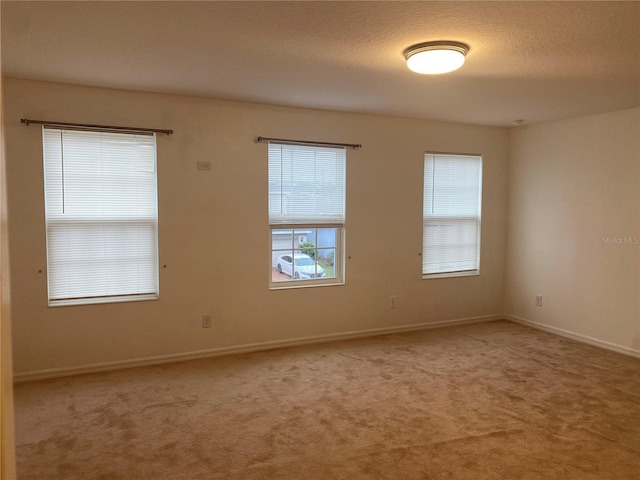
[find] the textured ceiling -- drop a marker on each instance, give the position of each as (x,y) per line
(535,61)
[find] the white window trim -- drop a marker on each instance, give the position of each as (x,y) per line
(56,218)
(459,273)
(103,300)
(462,273)
(339,259)
(333,218)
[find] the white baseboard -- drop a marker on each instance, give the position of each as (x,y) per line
(575,336)
(247,348)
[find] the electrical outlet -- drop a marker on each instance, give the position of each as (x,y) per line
(206,321)
(392,301)
(538,300)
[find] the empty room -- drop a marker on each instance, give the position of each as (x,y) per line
(320,240)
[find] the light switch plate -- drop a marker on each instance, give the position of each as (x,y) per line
(204,165)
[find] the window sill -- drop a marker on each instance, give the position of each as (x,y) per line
(303,284)
(102,300)
(469,273)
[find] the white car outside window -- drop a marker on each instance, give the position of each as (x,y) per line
(302,266)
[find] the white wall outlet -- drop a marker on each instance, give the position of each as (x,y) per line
(538,300)
(206,321)
(392,301)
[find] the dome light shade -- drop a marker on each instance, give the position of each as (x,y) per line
(436,57)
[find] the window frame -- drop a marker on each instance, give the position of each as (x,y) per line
(339,264)
(296,223)
(145,225)
(453,218)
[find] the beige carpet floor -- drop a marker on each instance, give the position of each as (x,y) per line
(488,401)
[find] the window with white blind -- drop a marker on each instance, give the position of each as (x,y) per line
(306,214)
(451,215)
(101,216)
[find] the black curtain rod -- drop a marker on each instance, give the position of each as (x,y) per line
(306,142)
(84,126)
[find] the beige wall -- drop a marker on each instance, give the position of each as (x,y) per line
(574,213)
(213,228)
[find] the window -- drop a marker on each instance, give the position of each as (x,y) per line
(101,216)
(306,214)
(451,215)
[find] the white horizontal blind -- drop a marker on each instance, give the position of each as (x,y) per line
(306,184)
(101,216)
(451,213)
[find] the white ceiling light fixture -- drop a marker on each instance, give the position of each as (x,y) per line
(436,57)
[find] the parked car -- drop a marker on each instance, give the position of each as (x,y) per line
(301,267)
